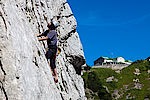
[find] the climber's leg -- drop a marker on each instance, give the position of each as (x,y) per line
(56,78)
(53,66)
(50,67)
(51,55)
(48,56)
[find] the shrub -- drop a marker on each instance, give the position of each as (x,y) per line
(104,95)
(93,82)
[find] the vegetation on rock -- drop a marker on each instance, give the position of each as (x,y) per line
(132,82)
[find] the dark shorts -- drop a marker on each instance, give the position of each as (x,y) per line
(51,55)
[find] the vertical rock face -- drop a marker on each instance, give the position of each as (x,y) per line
(24,71)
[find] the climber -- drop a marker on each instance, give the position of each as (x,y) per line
(51,37)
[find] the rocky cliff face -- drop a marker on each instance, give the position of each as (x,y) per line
(24,71)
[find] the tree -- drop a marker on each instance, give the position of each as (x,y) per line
(93,82)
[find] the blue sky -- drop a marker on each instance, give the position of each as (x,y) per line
(113,28)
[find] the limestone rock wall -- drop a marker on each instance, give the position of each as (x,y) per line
(24,71)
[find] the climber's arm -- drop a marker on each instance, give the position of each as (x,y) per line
(40,34)
(44,38)
(43,34)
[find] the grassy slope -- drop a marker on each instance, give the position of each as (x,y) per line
(124,78)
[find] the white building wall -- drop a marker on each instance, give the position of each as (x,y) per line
(107,61)
(128,63)
(120,59)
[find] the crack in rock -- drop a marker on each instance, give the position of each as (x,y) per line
(3,90)
(2,68)
(35,62)
(58,17)
(3,20)
(63,39)
(77,62)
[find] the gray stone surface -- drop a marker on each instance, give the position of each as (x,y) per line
(138,86)
(110,79)
(137,71)
(24,71)
(148,71)
(113,67)
(116,94)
